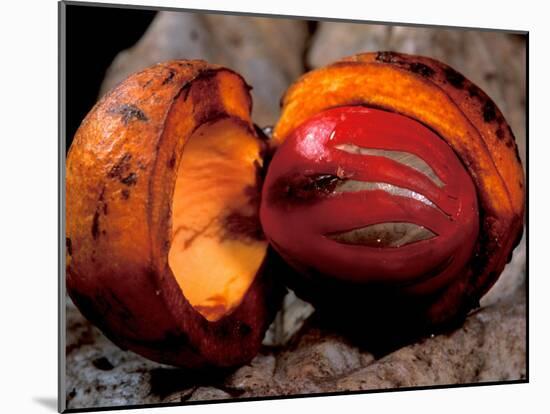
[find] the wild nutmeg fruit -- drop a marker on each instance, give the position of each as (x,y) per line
(165,252)
(396,193)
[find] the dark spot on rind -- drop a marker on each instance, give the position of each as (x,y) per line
(184,92)
(69,245)
(500,133)
(141,165)
(172,162)
(169,78)
(95,225)
(387,57)
(484,246)
(130,179)
(421,69)
(489,111)
(397,59)
(103,364)
(473,91)
(454,78)
(129,113)
(121,166)
(125,194)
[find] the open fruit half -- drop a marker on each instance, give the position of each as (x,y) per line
(165,252)
(404,184)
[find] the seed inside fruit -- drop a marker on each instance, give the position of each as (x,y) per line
(384,235)
(370,196)
(217,245)
(354,185)
(403,157)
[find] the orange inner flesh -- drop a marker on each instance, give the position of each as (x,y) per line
(213,255)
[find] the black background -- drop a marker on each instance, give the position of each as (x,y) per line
(94,36)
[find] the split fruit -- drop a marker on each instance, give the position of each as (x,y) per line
(165,252)
(396,194)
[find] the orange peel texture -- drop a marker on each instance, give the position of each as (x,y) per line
(164,248)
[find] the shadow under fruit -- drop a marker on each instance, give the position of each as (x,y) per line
(394,193)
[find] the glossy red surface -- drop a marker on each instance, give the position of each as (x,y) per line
(306,198)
